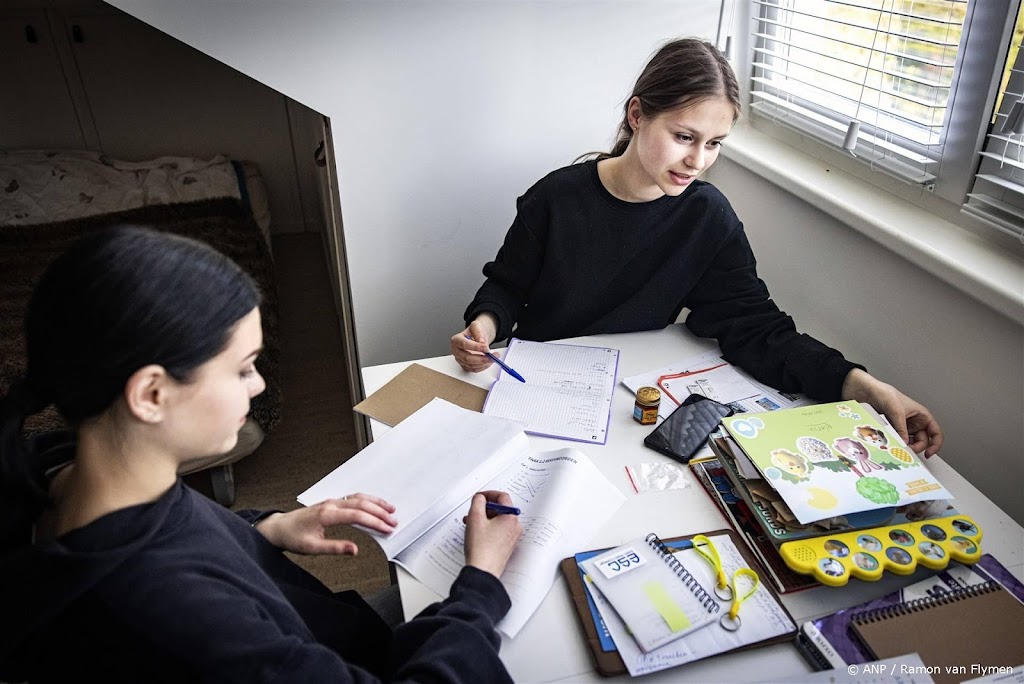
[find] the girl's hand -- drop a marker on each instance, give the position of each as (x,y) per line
(470,345)
(490,538)
(913,421)
(303,530)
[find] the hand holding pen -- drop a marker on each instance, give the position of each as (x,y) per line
(471,344)
(508,369)
(490,538)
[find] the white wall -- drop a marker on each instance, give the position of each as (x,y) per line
(442,114)
(959,357)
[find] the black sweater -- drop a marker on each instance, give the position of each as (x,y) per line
(185,590)
(579,261)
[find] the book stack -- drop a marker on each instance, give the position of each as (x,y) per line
(812,471)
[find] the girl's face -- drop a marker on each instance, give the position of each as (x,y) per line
(675,147)
(208,412)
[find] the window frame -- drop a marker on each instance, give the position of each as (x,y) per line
(988,26)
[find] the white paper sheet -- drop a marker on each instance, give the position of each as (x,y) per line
(430,465)
(567,393)
(710,375)
(426,466)
(564,500)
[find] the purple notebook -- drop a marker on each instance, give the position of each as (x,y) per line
(828,642)
(566,391)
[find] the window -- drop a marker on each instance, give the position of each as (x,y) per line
(998,194)
(905,86)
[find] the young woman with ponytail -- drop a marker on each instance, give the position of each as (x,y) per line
(627,239)
(112,569)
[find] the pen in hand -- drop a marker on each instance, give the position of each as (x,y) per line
(508,369)
(500,509)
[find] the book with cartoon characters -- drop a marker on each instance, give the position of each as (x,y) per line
(829,460)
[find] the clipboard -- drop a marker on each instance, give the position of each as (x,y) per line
(609,663)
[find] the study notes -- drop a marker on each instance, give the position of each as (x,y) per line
(430,465)
(567,393)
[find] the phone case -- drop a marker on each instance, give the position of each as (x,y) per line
(686,429)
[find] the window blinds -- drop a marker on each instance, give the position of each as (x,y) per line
(998,194)
(874,76)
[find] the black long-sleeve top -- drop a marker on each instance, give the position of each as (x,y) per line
(579,261)
(184,590)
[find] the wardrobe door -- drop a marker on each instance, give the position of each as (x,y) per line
(38,110)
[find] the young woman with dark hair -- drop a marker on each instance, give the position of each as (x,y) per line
(111,567)
(626,240)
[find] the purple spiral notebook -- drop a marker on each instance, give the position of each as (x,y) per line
(828,642)
(567,393)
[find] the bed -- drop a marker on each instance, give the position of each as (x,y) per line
(49,198)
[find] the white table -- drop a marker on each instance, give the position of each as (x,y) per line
(551,647)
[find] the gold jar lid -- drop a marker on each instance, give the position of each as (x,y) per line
(648,395)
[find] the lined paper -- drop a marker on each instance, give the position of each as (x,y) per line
(567,393)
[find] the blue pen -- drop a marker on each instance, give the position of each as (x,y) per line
(501,363)
(502,510)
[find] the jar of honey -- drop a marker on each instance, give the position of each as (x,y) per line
(645,410)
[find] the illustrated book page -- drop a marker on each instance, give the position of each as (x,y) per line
(827,460)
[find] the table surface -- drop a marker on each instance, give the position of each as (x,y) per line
(551,647)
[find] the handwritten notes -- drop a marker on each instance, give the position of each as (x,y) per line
(567,393)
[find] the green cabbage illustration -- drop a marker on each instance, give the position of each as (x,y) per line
(877,490)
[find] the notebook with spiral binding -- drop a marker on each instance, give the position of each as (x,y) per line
(656,596)
(958,633)
(766,620)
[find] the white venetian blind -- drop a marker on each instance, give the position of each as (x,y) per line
(873,76)
(998,194)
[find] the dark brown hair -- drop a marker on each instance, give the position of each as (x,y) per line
(682,72)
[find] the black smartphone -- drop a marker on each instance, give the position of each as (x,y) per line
(686,429)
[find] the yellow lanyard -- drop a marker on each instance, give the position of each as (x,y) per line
(707,549)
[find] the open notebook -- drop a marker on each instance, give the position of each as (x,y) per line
(567,393)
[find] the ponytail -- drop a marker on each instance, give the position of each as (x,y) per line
(22,495)
(682,72)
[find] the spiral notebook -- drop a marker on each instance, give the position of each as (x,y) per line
(957,633)
(653,593)
(765,619)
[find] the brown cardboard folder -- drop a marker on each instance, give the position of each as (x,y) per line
(412,389)
(982,626)
(609,663)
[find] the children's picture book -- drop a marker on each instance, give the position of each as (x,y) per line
(772,514)
(826,460)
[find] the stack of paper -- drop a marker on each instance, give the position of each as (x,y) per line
(430,465)
(710,375)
